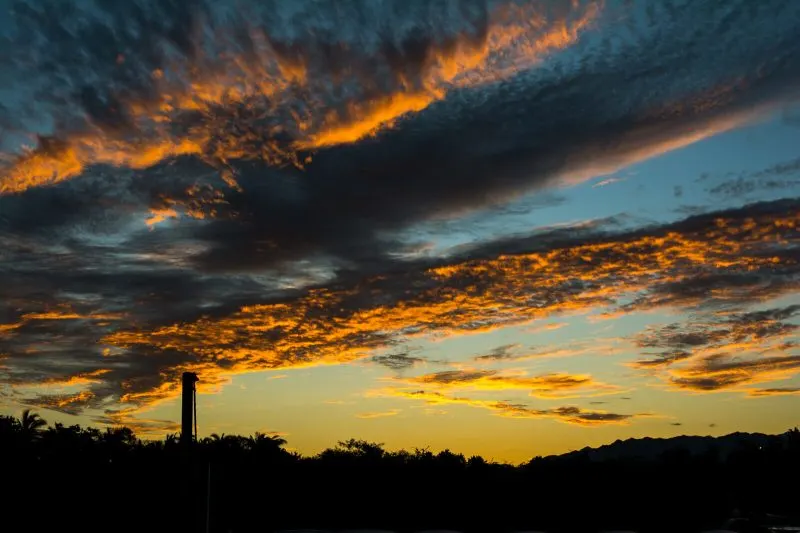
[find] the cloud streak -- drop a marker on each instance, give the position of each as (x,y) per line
(720,259)
(566,414)
(738,255)
(554,385)
(727,351)
(378,414)
(397,361)
(501,353)
(777,391)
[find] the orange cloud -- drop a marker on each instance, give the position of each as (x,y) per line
(338,326)
(274,92)
(157,216)
(4,328)
(81,378)
(726,352)
(66,314)
(718,373)
(200,202)
(142,427)
(66,403)
(58,314)
(567,414)
(555,385)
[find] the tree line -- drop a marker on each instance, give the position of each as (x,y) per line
(85,479)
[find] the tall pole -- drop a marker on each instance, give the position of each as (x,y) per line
(187,408)
(208,500)
(189,520)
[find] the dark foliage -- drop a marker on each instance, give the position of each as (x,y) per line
(70,478)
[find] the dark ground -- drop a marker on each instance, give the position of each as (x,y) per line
(75,479)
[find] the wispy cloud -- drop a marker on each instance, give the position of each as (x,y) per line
(541,328)
(781,177)
(401,360)
(141,426)
(715,373)
(336,402)
(567,414)
(499,353)
(606,182)
(554,385)
(379,414)
(727,350)
(777,391)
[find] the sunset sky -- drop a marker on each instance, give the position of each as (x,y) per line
(507,228)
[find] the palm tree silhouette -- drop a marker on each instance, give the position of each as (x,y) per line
(31,423)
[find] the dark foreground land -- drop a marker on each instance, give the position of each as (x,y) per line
(74,479)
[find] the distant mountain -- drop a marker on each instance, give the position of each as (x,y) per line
(648,449)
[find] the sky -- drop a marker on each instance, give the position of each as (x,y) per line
(506,228)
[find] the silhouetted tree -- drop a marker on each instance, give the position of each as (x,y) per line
(258,485)
(31,423)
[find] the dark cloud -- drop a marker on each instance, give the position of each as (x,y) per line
(715,373)
(398,361)
(721,289)
(156,319)
(579,416)
(743,186)
(449,377)
(691,210)
(717,331)
(779,177)
(499,353)
(542,123)
(776,391)
(724,350)
(71,404)
(662,360)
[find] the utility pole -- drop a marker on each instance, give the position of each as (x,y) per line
(188,408)
(189,509)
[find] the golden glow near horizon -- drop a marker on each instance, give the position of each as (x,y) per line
(323,327)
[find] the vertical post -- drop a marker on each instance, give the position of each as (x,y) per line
(190,521)
(187,408)
(208,500)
